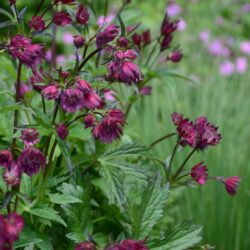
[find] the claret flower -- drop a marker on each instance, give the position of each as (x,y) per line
(37,23)
(82,15)
(199,173)
(5,158)
(29,137)
(86,245)
(12,175)
(128,245)
(62,18)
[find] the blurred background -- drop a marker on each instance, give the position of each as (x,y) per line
(215,39)
(214,36)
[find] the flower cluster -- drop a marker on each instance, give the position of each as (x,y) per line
(10,227)
(128,245)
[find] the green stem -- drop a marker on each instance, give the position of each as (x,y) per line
(161,139)
(183,164)
(172,156)
(39,7)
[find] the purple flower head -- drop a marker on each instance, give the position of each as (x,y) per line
(137,39)
(130,54)
(130,73)
(103,20)
(199,173)
(146,90)
(51,92)
(246,7)
(62,18)
(108,35)
(128,245)
(110,128)
(12,175)
(187,133)
(29,137)
(86,245)
(173,9)
(72,100)
(241,65)
(82,15)
(168,27)
(177,118)
(5,158)
(119,56)
(37,23)
(205,36)
(24,89)
(22,48)
(79,41)
(146,37)
(231,184)
(245,47)
(226,68)
(89,121)
(31,160)
(175,56)
(109,95)
(68,38)
(114,70)
(217,48)
(182,25)
(62,131)
(165,43)
(122,42)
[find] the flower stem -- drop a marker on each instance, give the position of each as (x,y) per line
(183,164)
(161,139)
(39,7)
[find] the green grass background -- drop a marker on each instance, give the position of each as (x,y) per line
(225,101)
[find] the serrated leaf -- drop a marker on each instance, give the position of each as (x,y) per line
(47,213)
(181,237)
(63,199)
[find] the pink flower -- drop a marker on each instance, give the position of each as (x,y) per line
(31,160)
(79,41)
(37,23)
(5,158)
(62,131)
(22,48)
(68,38)
(241,65)
(24,89)
(199,173)
(246,7)
(130,54)
(231,184)
(89,121)
(182,25)
(226,68)
(110,128)
(175,56)
(167,26)
(86,245)
(109,95)
(122,42)
(173,9)
(51,92)
(108,35)
(82,15)
(187,133)
(177,118)
(128,245)
(72,100)
(146,90)
(62,18)
(217,48)
(245,47)
(130,73)
(12,175)
(29,137)
(102,20)
(205,36)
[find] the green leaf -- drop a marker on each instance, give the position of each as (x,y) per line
(6,24)
(63,199)
(6,13)
(42,118)
(182,237)
(146,214)
(17,106)
(47,213)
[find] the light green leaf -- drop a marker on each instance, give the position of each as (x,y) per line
(63,199)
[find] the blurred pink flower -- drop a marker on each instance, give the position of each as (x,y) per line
(246,7)
(173,9)
(102,20)
(241,65)
(217,48)
(182,25)
(245,47)
(68,38)
(219,21)
(226,68)
(205,36)
(109,95)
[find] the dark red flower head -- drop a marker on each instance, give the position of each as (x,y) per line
(130,73)
(89,121)
(165,43)
(62,18)
(86,245)
(177,118)
(12,2)
(51,92)
(199,173)
(128,245)
(37,23)
(22,48)
(122,42)
(31,160)
(5,158)
(176,56)
(82,15)
(62,131)
(12,175)
(79,41)
(108,35)
(187,133)
(167,26)
(29,137)
(231,184)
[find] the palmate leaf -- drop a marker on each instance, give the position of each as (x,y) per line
(146,214)
(181,237)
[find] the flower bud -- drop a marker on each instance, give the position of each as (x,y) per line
(79,41)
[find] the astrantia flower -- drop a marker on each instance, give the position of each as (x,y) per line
(231,184)
(37,23)
(108,35)
(122,42)
(168,27)
(82,15)
(65,1)
(29,137)
(110,128)
(128,245)
(89,121)
(86,245)
(165,43)
(187,133)
(177,118)
(130,73)
(62,18)
(22,48)
(130,54)
(79,41)
(72,100)
(175,56)
(199,173)
(62,131)
(12,175)
(5,158)
(31,160)
(51,92)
